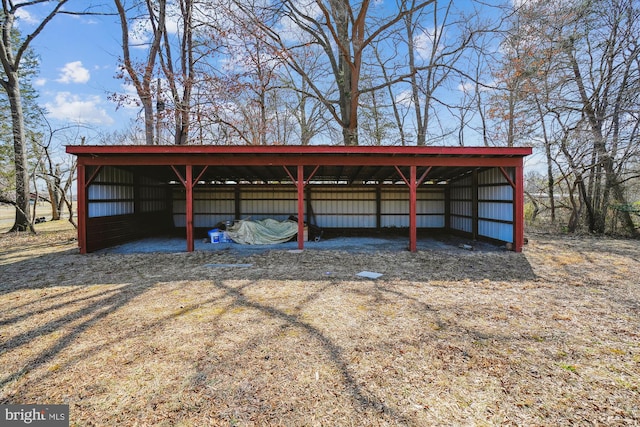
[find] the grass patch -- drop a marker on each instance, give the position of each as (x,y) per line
(443,338)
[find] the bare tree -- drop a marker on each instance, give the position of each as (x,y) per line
(142,75)
(344,32)
(180,81)
(55,169)
(432,59)
(12,55)
(581,75)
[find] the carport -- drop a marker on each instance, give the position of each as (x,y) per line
(128,192)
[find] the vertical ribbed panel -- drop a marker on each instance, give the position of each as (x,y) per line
(110,193)
(495,205)
(151,195)
(344,207)
(461,205)
(333,207)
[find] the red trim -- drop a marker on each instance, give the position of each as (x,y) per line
(518,220)
(300,184)
(286,169)
(413,194)
(275,160)
(306,150)
(424,175)
(299,157)
(413,183)
(195,181)
(93,176)
(189,188)
(82,208)
(404,178)
(179,175)
(312,175)
(507,177)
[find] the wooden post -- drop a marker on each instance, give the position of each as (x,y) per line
(379,206)
(189,188)
(474,204)
(300,185)
(82,207)
(518,218)
(413,192)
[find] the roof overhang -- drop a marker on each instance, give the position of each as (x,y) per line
(224,163)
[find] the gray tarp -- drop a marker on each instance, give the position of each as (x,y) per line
(264,232)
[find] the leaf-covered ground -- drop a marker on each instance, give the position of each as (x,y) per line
(445,337)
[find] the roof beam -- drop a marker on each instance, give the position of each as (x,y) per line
(133,160)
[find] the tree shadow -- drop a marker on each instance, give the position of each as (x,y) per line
(126,277)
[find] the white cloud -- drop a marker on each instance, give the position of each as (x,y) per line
(74,72)
(24,16)
(404,98)
(466,87)
(73,108)
(40,82)
(424,43)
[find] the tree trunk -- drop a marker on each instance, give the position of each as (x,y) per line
(22,219)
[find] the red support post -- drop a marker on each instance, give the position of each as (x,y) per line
(82,207)
(300,184)
(518,220)
(189,187)
(413,192)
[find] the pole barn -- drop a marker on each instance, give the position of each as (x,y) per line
(126,193)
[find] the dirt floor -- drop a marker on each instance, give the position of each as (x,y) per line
(445,336)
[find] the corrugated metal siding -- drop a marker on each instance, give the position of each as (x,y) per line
(353,207)
(394,207)
(494,209)
(332,207)
(210,206)
(269,202)
(495,205)
(111,193)
(115,216)
(461,205)
(152,195)
(496,230)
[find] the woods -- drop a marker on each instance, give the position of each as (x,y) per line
(563,76)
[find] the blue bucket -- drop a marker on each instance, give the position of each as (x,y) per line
(214,235)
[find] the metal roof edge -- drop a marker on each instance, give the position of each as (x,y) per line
(92,150)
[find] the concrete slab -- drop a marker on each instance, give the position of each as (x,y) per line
(348,244)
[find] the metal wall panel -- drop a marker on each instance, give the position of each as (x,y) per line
(496,193)
(461,205)
(497,211)
(495,205)
(349,207)
(461,193)
(110,208)
(461,224)
(344,207)
(152,195)
(496,230)
(110,193)
(210,206)
(493,176)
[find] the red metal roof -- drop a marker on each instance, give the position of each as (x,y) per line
(297,150)
(223,163)
(198,164)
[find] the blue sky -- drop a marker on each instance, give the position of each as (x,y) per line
(78,63)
